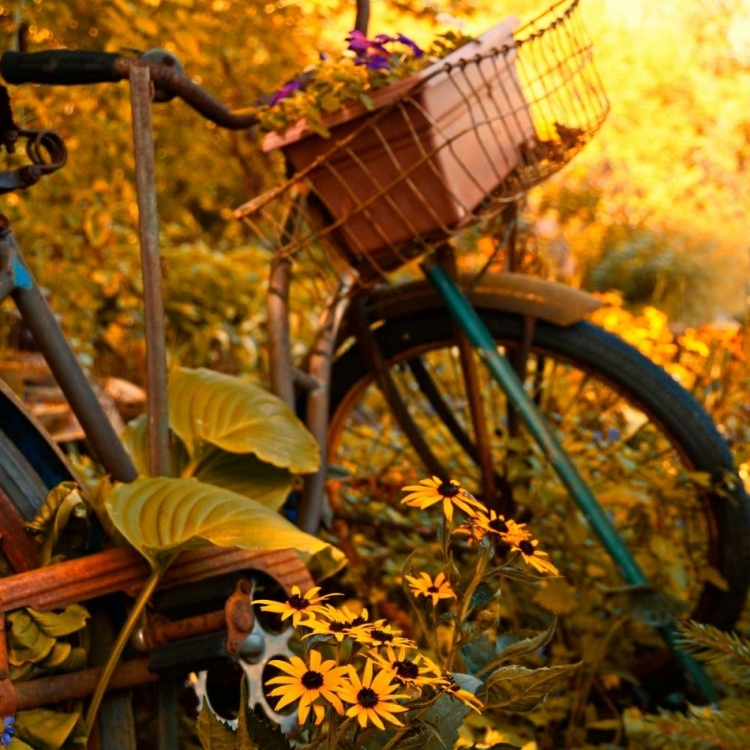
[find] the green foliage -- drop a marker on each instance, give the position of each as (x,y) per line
(252,733)
(34,646)
(62,523)
(43,729)
(726,725)
(659,199)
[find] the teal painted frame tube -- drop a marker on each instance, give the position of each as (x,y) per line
(503,373)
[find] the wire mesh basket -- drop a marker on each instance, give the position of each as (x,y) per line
(440,150)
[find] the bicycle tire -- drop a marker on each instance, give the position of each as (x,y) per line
(27,489)
(594,353)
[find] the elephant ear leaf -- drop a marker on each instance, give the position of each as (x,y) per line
(135,439)
(246,475)
(161,517)
(238,417)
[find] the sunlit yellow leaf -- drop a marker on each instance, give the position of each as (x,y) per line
(162,516)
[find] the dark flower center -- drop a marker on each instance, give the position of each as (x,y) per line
(298,602)
(381,635)
(358,621)
(338,627)
(367,698)
(312,680)
(408,670)
(526,547)
(497,524)
(433,589)
(448,489)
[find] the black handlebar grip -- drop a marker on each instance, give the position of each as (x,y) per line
(62,67)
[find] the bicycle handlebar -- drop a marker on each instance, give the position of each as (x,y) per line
(71,68)
(59,67)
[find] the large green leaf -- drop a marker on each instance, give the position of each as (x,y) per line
(239,417)
(515,688)
(161,516)
(135,439)
(246,475)
(213,733)
(57,624)
(44,729)
(242,473)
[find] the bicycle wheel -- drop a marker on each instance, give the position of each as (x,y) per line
(26,488)
(646,448)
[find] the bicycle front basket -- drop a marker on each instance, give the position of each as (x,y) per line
(442,149)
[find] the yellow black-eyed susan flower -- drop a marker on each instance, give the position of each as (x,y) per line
(310,684)
(379,634)
(335,622)
(535,557)
(453,689)
(431,491)
(372,697)
(297,606)
(507,529)
(416,671)
(436,590)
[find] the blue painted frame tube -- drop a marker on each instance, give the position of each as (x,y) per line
(503,373)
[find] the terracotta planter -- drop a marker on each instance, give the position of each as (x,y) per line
(420,163)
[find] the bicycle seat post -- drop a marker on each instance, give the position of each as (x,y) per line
(156,358)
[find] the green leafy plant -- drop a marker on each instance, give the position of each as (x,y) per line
(236,434)
(725,725)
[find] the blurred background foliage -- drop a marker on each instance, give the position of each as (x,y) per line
(654,208)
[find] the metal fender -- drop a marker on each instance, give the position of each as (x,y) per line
(28,435)
(508,292)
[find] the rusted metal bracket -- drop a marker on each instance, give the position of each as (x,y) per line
(239,616)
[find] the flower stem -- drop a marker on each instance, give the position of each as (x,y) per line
(482,560)
(127,629)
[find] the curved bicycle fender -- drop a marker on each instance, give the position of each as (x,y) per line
(517,293)
(22,427)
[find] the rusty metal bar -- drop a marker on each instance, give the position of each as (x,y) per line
(161,631)
(156,356)
(47,690)
(123,569)
(16,544)
(8,692)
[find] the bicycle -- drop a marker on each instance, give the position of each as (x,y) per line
(409,346)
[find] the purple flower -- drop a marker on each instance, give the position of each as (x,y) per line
(375,62)
(415,48)
(361,45)
(285,91)
(9,729)
(373,53)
